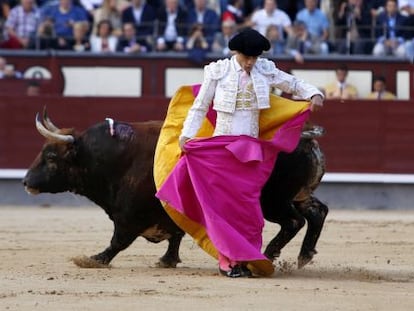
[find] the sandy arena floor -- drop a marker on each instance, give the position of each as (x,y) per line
(365,262)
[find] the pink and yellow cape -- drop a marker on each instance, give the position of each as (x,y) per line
(185,198)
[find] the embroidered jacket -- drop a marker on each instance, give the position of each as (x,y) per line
(221,86)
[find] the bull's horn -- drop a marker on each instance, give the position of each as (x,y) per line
(48,123)
(51,135)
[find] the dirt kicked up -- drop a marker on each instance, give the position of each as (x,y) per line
(365,262)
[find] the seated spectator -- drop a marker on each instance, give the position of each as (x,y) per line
(340,89)
(7,71)
(316,22)
(172,20)
(234,11)
(271,15)
(90,5)
(353,23)
(407,9)
(103,40)
(196,39)
(64,15)
(45,37)
(390,31)
(143,16)
(277,44)
(301,42)
(21,25)
(222,38)
(5,6)
(379,90)
(80,42)
(201,14)
(129,43)
(112,11)
(33,88)
(197,45)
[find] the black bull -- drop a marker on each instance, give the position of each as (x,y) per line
(114,169)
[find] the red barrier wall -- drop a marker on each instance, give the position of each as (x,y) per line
(20,141)
(362,136)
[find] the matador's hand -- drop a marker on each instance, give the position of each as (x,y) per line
(316,103)
(181,141)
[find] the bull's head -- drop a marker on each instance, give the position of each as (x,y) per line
(53,168)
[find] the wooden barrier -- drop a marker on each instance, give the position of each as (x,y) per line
(361,136)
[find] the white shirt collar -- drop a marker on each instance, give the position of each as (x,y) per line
(236,63)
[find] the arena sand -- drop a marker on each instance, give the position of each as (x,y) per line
(365,262)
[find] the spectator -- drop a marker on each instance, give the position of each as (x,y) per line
(21,25)
(205,16)
(353,22)
(33,88)
(5,6)
(197,45)
(129,43)
(234,11)
(277,44)
(80,42)
(271,15)
(7,71)
(379,90)
(110,10)
(46,37)
(301,42)
(340,89)
(407,9)
(64,15)
(316,22)
(390,31)
(90,5)
(103,40)
(222,38)
(196,38)
(172,27)
(143,16)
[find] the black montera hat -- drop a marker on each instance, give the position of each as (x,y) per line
(249,42)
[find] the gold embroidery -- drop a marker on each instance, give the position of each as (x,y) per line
(246,98)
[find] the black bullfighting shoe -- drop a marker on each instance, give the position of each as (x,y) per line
(238,271)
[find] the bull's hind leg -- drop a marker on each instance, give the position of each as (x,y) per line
(291,222)
(172,257)
(315,213)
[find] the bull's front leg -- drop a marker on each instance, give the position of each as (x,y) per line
(121,239)
(171,257)
(315,213)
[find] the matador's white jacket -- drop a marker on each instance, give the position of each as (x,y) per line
(238,106)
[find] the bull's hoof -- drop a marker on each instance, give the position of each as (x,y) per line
(272,255)
(304,259)
(168,262)
(89,262)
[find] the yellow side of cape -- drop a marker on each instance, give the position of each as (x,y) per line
(167,154)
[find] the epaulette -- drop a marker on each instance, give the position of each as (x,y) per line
(218,69)
(265,66)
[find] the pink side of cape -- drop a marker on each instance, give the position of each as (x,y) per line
(218,181)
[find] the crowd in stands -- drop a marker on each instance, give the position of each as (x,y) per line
(297,28)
